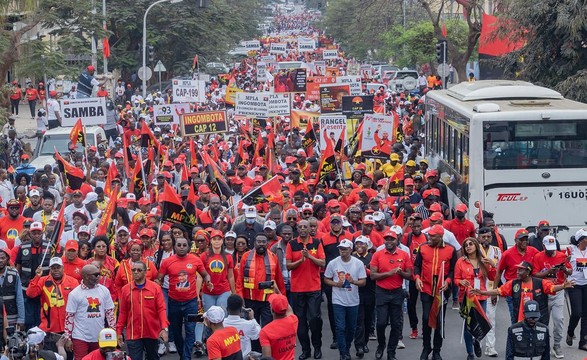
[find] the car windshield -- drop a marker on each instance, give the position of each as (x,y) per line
(402,75)
(385,68)
(59,142)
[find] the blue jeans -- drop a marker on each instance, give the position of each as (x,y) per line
(178,311)
(513,314)
(166,297)
(467,335)
(345,319)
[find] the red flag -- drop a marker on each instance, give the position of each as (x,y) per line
(112,173)
(327,161)
(74,176)
(106,219)
(172,209)
(195,62)
(147,138)
(265,192)
(77,133)
(400,220)
(436,307)
(56,235)
(137,183)
(443,28)
(193,156)
(258,148)
(184,172)
(106,44)
(309,139)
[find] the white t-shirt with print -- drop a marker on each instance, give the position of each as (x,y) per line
(89,307)
(348,294)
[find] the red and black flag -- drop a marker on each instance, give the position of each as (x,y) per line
(77,134)
(74,177)
(396,183)
(104,227)
(264,192)
(138,183)
(309,139)
(172,209)
(436,310)
(148,140)
(475,318)
(215,176)
(56,234)
(327,162)
(193,156)
(126,155)
(111,175)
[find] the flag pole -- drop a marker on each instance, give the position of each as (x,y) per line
(85,142)
(442,302)
(249,193)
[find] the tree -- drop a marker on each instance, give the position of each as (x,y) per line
(416,45)
(555,50)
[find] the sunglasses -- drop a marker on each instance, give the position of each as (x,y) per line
(292,218)
(469,244)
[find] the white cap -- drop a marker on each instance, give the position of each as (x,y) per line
(251,212)
(131,196)
(318,198)
(84,229)
(37,225)
(378,216)
(363,239)
(581,233)
(397,229)
(230,234)
(91,196)
(345,221)
(269,224)
(55,261)
(35,336)
(157,129)
(122,228)
(34,192)
(549,242)
(54,216)
(307,206)
(345,244)
(215,314)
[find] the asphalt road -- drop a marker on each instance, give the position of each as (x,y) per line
(452,349)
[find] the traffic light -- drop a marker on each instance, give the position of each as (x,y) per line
(441,50)
(151,51)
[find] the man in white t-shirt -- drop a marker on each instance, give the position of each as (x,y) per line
(53,110)
(248,329)
(88,307)
(345,274)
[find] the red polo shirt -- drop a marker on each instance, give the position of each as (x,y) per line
(306,277)
(386,261)
(461,229)
(512,257)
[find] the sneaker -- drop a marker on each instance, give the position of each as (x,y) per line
(161,349)
(199,351)
(557,352)
(491,352)
(372,336)
(477,348)
(172,348)
(414,334)
(455,305)
(570,340)
(401,345)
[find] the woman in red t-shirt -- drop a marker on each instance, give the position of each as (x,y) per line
(220,266)
(32,95)
(15,97)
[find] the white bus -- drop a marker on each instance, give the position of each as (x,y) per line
(518,149)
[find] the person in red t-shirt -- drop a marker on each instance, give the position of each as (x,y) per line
(304,258)
(510,259)
(72,264)
(183,293)
(221,269)
(278,338)
(11,225)
(461,227)
(224,343)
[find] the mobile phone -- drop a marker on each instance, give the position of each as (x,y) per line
(195,318)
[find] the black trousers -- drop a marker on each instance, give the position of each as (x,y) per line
(412,302)
(14,106)
(364,320)
(306,306)
(578,300)
(389,305)
(263,315)
(427,330)
(137,349)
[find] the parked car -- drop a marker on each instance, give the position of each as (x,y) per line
(58,138)
(404,79)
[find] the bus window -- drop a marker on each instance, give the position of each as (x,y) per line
(535,145)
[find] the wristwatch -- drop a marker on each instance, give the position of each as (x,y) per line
(165,329)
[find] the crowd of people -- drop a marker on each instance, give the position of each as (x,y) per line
(91,266)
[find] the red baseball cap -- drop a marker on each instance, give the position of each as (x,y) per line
(390,233)
(279,304)
(71,245)
(435,207)
(436,216)
(204,189)
(461,208)
(436,230)
(408,182)
(521,233)
(332,203)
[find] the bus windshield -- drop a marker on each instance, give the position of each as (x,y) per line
(535,145)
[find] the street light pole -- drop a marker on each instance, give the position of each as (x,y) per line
(104,25)
(144,78)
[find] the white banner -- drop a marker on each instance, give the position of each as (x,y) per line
(332,127)
(329,54)
(278,48)
(320,67)
(268,58)
(254,105)
(306,44)
(252,45)
(169,113)
(278,104)
(92,111)
(189,90)
(261,71)
(354,83)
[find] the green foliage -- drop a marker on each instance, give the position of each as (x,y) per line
(417,44)
(555,51)
(180,31)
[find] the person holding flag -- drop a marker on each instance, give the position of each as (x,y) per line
(433,276)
